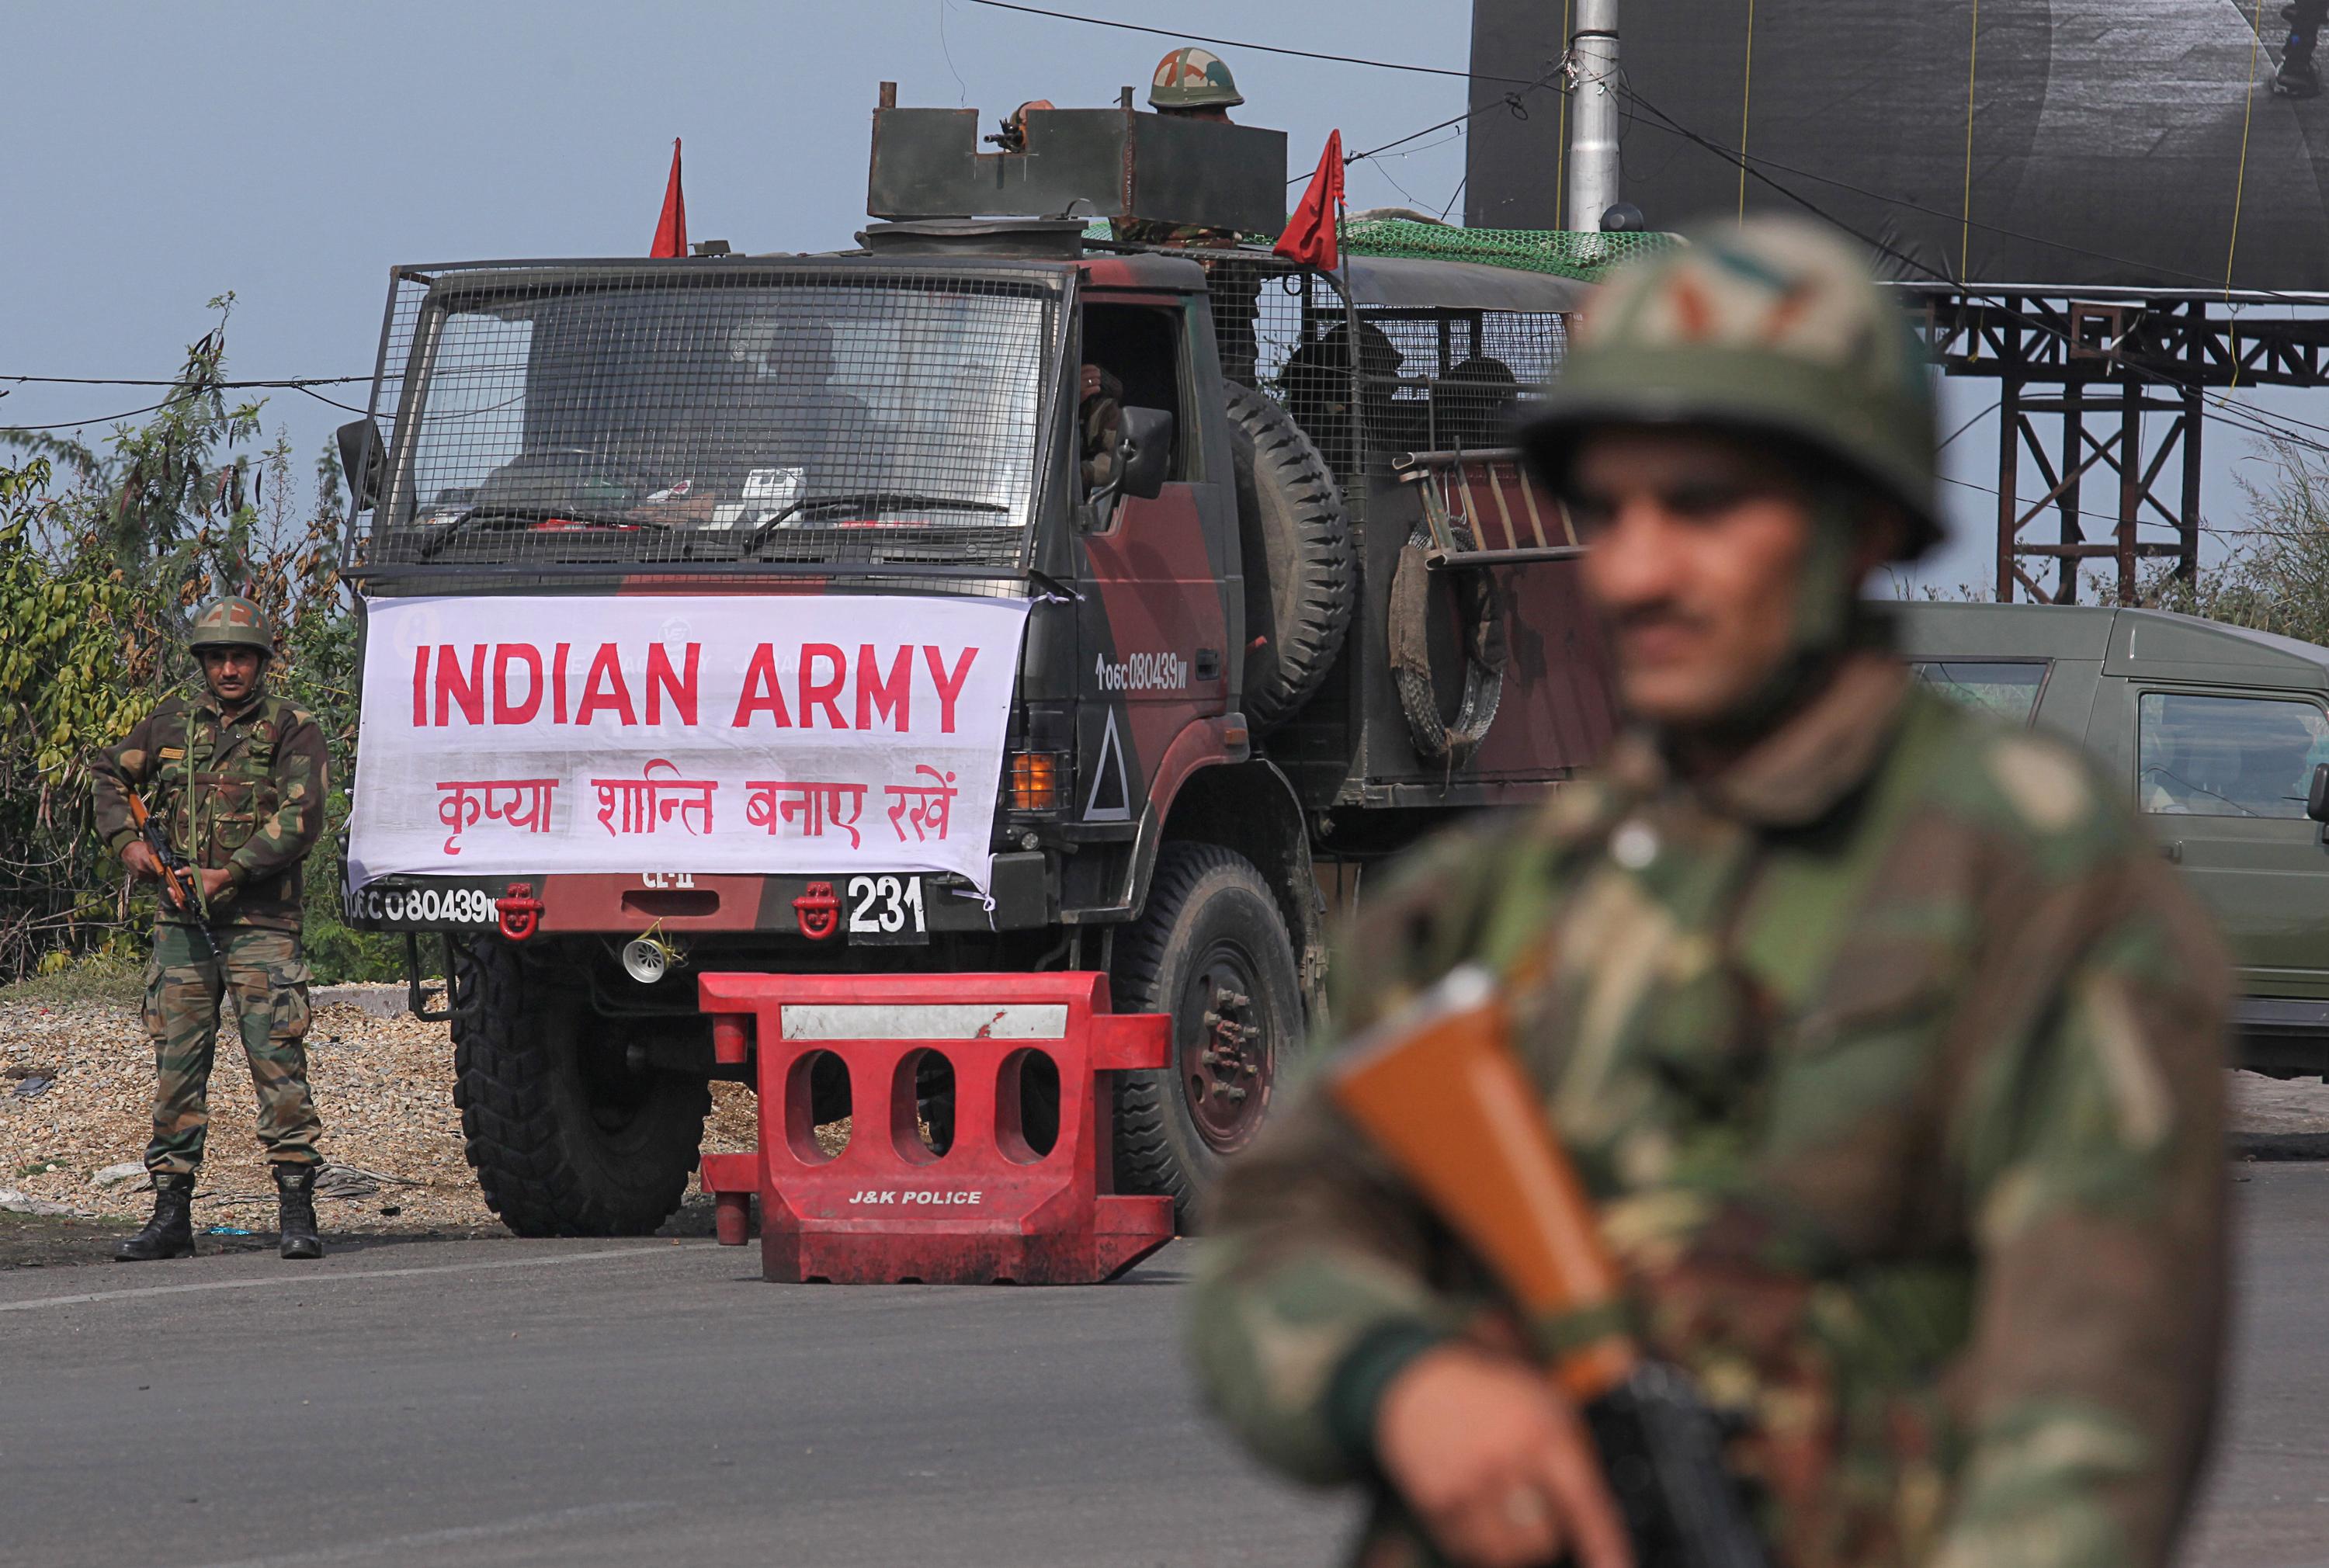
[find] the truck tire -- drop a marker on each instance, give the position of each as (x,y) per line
(566,1138)
(1301,576)
(1211,949)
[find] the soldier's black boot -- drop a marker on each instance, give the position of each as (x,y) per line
(2297,78)
(170,1234)
(295,1201)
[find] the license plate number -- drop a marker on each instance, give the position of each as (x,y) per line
(885,909)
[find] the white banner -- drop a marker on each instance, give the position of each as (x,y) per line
(807,733)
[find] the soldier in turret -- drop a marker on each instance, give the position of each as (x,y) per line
(1195,84)
(235,778)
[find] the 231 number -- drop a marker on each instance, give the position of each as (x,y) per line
(882,906)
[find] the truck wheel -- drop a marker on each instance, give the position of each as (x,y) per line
(568,1140)
(1301,577)
(1211,949)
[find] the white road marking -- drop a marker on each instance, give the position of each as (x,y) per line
(403,1546)
(311,1277)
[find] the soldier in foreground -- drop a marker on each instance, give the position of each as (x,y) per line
(236,781)
(1890,1052)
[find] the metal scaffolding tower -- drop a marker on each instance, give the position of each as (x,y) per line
(2107,392)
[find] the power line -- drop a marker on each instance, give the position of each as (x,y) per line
(304,385)
(1968,424)
(2226,411)
(1238,43)
(1675,128)
(307,390)
(6,430)
(293,383)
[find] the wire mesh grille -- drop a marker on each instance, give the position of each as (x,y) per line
(1424,380)
(577,415)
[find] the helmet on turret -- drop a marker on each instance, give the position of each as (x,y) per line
(1193,77)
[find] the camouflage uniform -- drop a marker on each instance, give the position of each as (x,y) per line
(242,790)
(1892,1053)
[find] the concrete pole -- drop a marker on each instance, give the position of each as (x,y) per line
(1593,117)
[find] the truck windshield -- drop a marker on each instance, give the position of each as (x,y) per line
(744,416)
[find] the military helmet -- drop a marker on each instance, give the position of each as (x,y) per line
(231,621)
(1773,327)
(1194,78)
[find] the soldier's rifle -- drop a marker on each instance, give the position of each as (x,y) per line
(181,883)
(1438,1090)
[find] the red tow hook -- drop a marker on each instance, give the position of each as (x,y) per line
(519,909)
(817,911)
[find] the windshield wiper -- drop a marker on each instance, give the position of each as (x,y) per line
(858,499)
(500,516)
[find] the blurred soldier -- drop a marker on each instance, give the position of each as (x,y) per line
(237,780)
(1195,84)
(2297,77)
(1888,1048)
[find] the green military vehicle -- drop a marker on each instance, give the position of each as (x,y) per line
(2218,733)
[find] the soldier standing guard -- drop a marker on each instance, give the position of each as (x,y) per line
(237,779)
(1888,1048)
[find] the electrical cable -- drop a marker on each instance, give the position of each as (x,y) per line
(304,385)
(77,423)
(2239,418)
(1237,43)
(292,381)
(1511,101)
(2212,284)
(1458,196)
(1968,424)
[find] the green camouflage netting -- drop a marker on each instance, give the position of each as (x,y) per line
(1584,257)
(1557,251)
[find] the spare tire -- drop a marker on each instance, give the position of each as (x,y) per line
(1301,577)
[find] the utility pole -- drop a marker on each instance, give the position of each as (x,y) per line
(1593,116)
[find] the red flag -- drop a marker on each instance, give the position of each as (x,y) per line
(671,228)
(1310,238)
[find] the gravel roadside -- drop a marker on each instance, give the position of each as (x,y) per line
(76,1081)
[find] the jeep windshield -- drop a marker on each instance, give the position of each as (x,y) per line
(736,414)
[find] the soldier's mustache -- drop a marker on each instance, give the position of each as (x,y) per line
(1658,615)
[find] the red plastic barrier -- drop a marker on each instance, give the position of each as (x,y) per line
(885,1206)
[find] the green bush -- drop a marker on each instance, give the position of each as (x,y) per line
(104,551)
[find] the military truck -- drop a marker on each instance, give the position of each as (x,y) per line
(937,607)
(2218,735)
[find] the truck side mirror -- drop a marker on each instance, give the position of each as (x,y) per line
(1144,447)
(361,461)
(2316,798)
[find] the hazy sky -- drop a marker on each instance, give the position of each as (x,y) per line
(164,153)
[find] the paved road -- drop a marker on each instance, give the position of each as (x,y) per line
(2269,1505)
(579,1403)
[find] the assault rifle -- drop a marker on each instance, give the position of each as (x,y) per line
(180,882)
(1439,1093)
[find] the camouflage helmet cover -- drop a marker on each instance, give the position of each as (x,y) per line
(1194,78)
(1771,328)
(231,621)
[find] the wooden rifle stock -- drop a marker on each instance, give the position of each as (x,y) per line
(1439,1092)
(173,867)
